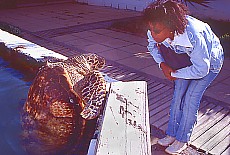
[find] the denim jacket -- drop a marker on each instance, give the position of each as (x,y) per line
(200,43)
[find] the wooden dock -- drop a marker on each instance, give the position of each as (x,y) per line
(211,134)
(125,128)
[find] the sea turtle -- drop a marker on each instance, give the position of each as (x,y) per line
(62,97)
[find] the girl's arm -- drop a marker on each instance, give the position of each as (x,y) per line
(200,59)
(152,47)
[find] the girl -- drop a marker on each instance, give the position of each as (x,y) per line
(171,26)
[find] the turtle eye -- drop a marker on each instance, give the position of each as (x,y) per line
(71,100)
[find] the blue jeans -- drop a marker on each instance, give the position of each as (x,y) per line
(185,105)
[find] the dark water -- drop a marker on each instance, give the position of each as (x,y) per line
(13,93)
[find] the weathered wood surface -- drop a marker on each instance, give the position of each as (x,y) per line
(125,129)
(211,134)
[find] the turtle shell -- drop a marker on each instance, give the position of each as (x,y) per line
(52,110)
(63,102)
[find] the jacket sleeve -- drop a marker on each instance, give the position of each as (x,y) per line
(152,48)
(200,59)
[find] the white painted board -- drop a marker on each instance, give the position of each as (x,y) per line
(125,129)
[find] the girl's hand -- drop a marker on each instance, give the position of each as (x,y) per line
(167,71)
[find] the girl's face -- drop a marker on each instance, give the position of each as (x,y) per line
(160,32)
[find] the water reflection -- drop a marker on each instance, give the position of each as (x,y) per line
(13,92)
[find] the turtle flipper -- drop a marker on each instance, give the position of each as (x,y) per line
(93,94)
(90,112)
(95,62)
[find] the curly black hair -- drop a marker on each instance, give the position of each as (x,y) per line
(172,13)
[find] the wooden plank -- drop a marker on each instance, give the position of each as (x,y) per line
(221,138)
(125,75)
(154,120)
(152,85)
(131,77)
(161,112)
(125,128)
(162,121)
(202,128)
(159,101)
(154,89)
(202,105)
(108,68)
(151,82)
(160,92)
(164,127)
(160,108)
(143,78)
(112,73)
(203,112)
(168,92)
(120,75)
(209,115)
(159,116)
(211,132)
(116,71)
(227,151)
